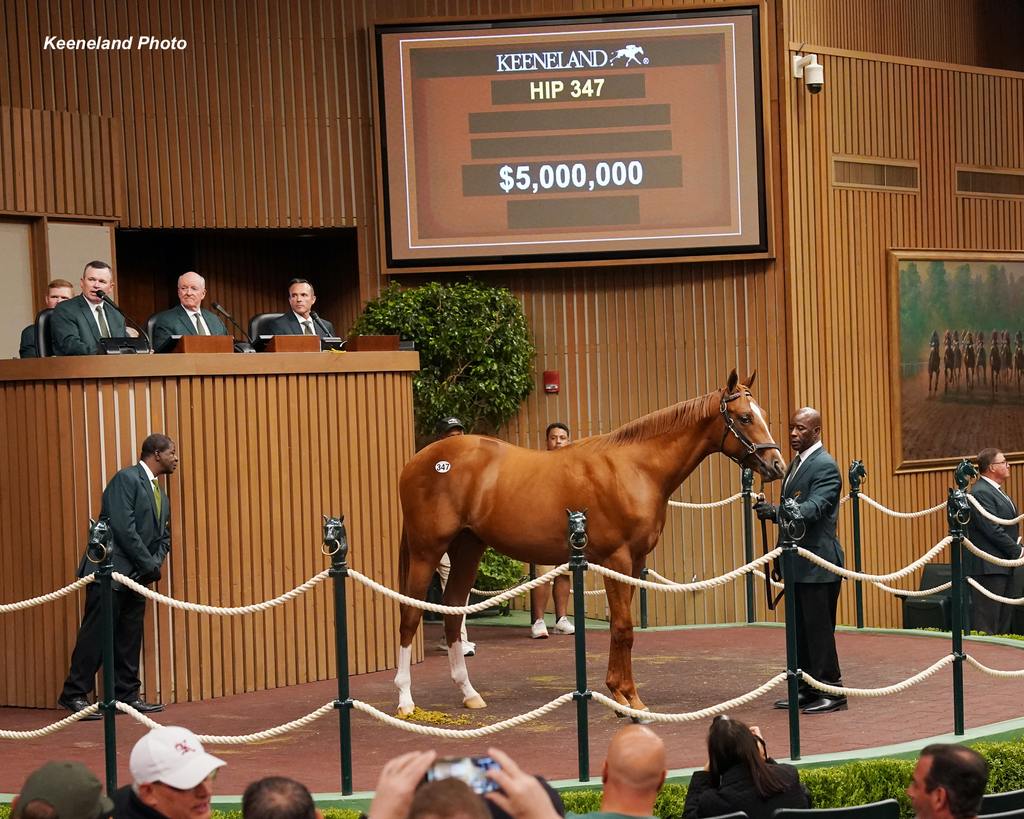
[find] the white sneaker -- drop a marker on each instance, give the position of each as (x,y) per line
(443,645)
(563,626)
(468,649)
(538,631)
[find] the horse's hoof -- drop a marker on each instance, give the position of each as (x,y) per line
(475,702)
(641,720)
(406,710)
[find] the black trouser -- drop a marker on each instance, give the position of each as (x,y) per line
(816,606)
(129,612)
(987,615)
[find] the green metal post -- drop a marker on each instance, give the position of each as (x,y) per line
(857,474)
(789,556)
(643,599)
(747,482)
(335,545)
(99,551)
(958,513)
(582,695)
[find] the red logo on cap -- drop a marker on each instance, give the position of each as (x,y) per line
(184,748)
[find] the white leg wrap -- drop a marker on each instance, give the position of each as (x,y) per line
(460,676)
(403,680)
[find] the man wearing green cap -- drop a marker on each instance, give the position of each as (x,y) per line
(61,790)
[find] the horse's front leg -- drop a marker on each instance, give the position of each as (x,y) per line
(620,651)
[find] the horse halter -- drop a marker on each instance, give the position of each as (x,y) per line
(730,426)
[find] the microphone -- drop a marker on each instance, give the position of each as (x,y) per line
(313,315)
(102,295)
(240,346)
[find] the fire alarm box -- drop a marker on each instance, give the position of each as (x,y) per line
(552,381)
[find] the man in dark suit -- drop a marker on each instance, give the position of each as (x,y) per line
(188,318)
(138,511)
(56,291)
(300,319)
(814,482)
(991,616)
(78,324)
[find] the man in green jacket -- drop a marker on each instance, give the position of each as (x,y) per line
(188,318)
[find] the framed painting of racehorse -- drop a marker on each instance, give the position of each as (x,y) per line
(957,346)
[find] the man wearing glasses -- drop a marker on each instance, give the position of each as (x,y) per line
(991,616)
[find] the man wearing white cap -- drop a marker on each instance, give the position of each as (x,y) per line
(172,777)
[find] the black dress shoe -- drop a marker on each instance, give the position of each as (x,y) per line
(76,704)
(824,705)
(144,707)
(802,699)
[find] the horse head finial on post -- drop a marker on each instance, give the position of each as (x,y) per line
(857,473)
(965,471)
(578,538)
(97,549)
(335,540)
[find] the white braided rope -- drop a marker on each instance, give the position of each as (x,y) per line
(7,608)
(486,604)
(239,739)
(689,716)
(775,583)
(687,587)
(1009,601)
(482,593)
(843,691)
(919,514)
(53,727)
(711,505)
(993,672)
(221,610)
(931,554)
(915,593)
(989,516)
(998,561)
(464,733)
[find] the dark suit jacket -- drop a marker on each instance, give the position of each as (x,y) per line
(288,325)
(73,327)
(28,343)
(177,322)
(997,540)
(141,540)
(816,487)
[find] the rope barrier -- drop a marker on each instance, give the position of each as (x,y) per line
(7,608)
(221,610)
(852,575)
(998,561)
(53,727)
(710,505)
(989,516)
(686,587)
(1010,601)
(915,593)
(843,691)
(993,672)
(689,716)
(919,514)
(775,583)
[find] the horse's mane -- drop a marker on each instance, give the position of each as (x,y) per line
(659,422)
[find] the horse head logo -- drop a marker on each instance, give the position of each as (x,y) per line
(335,537)
(98,546)
(577,528)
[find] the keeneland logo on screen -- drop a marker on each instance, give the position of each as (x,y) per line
(631,54)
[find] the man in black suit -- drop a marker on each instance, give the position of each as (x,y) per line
(814,482)
(991,616)
(300,319)
(78,324)
(138,511)
(188,318)
(56,291)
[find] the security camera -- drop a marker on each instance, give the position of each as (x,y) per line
(807,68)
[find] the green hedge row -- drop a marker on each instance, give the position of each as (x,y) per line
(852,783)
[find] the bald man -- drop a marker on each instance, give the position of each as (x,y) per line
(633,774)
(188,318)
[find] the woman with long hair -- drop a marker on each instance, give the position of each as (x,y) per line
(741,776)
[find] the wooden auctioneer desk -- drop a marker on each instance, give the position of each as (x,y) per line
(267,443)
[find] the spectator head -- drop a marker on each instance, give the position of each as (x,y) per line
(172,774)
(553,795)
(948,782)
(59,290)
(992,464)
(160,454)
(633,772)
(556,435)
(301,297)
(447,799)
(278,797)
(61,790)
(191,290)
(732,743)
(97,276)
(447,427)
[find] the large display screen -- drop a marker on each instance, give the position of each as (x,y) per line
(577,139)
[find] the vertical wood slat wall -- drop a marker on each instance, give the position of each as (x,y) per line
(938,116)
(262,456)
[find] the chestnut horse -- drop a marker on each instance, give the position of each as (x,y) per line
(461,493)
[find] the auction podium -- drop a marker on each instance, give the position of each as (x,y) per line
(267,444)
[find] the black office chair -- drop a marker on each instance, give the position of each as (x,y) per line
(150,324)
(258,323)
(44,347)
(1008,814)
(993,803)
(885,809)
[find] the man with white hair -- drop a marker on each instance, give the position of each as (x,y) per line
(188,318)
(172,777)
